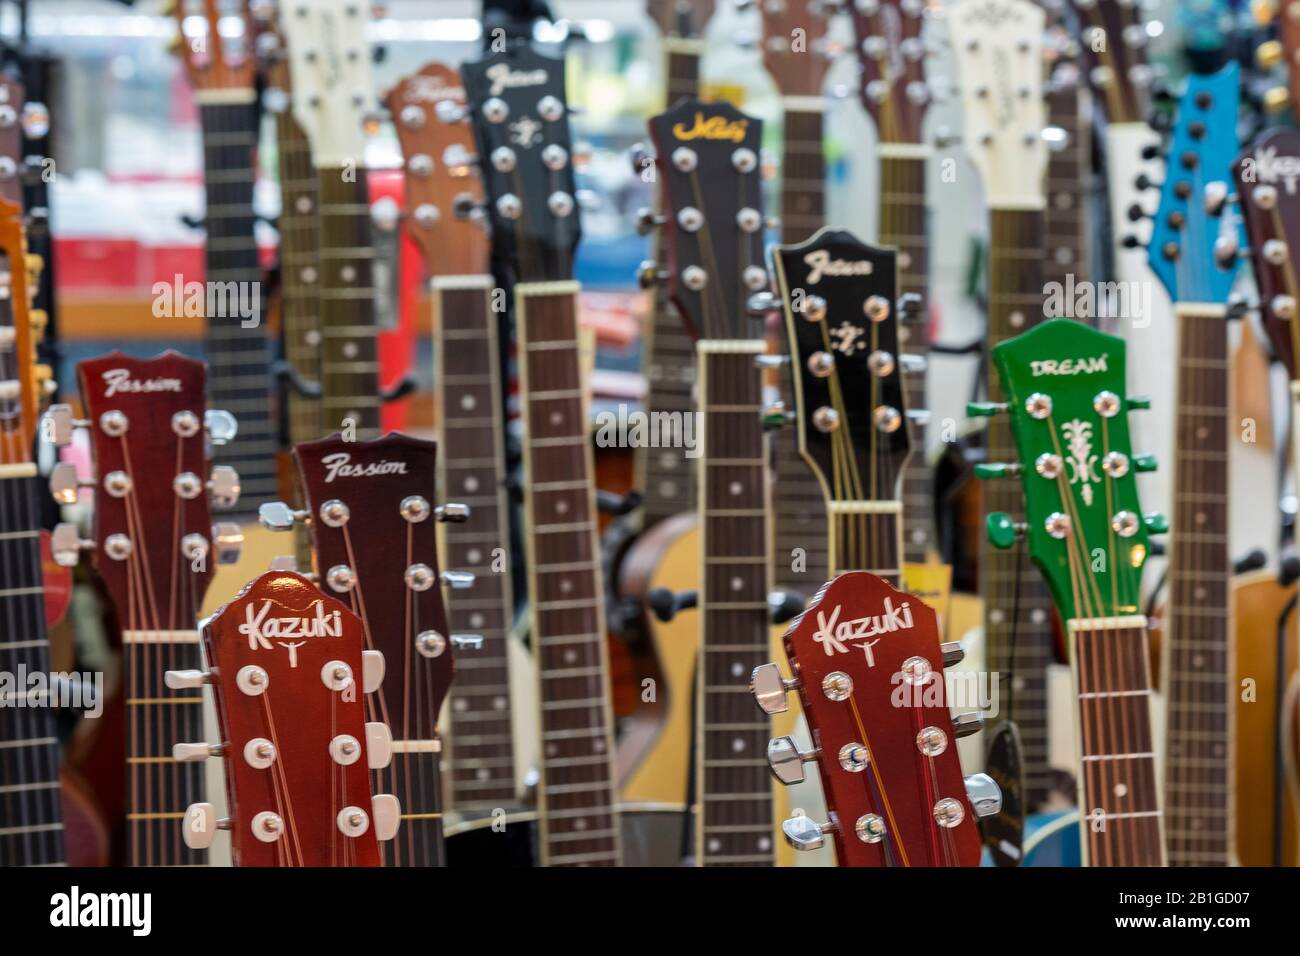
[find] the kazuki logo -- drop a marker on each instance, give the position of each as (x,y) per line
(629,428)
(83,691)
(1080,366)
(1270,168)
(339,465)
(833,634)
(119,381)
(822,264)
(503,78)
(210,300)
(1073,299)
(261,629)
(76,908)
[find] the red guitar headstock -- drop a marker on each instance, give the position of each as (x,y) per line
(154,544)
(795,45)
(215,59)
(288,674)
(868,666)
(892,55)
(375,542)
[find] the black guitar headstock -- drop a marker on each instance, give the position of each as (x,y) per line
(708,164)
(838,295)
(517,107)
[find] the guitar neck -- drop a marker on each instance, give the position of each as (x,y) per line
(31,814)
(482,764)
(1069,234)
(238,354)
(1017,605)
(798,505)
(904,226)
(577,789)
(1121,824)
(734,813)
(1198,763)
(665,475)
(349,350)
(867,536)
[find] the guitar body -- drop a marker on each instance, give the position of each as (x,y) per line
(652,836)
(1052,839)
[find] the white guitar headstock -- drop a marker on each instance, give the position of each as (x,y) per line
(329,63)
(998,45)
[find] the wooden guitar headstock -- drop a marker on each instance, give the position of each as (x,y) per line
(213,60)
(891,54)
(1114,43)
(869,668)
(22,380)
(795,44)
(288,673)
(680,18)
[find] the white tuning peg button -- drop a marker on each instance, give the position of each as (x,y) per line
(200,825)
(985,795)
(185,680)
(452,511)
(379,744)
(192,753)
(221,426)
(278,516)
(803,833)
(769,689)
(228,542)
(372,671)
(467,642)
(223,486)
(387,813)
(458,580)
(283,562)
(64,483)
(66,544)
(57,425)
(953,653)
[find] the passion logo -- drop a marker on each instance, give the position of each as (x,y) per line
(261,629)
(821,264)
(339,465)
(433,89)
(712,127)
(120,382)
(503,78)
(835,635)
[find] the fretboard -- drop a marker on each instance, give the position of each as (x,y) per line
(481,768)
(665,475)
(866,536)
(1017,606)
(238,355)
(1198,756)
(349,353)
(903,225)
(800,511)
(734,796)
(1120,818)
(31,813)
(579,821)
(1069,172)
(415,778)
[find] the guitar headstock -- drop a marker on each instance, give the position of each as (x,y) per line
(215,59)
(155,544)
(288,676)
(891,54)
(22,380)
(1268,182)
(1114,42)
(680,18)
(795,51)
(1194,248)
(329,65)
(1288,29)
(1065,391)
(838,295)
(708,165)
(438,171)
(868,665)
(520,116)
(374,537)
(999,50)
(12,156)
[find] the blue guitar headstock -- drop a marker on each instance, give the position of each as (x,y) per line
(1196,235)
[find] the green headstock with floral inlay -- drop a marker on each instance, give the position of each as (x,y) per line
(1064,385)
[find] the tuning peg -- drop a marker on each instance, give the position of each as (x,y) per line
(220,425)
(227,542)
(1135,213)
(985,409)
(963,725)
(1155,523)
(466,642)
(372,671)
(664,604)
(919,416)
(786,760)
(1275,99)
(761,304)
(450,112)
(953,653)
(58,423)
(1132,242)
(66,544)
(1055,138)
(945,138)
(1227,250)
(283,562)
(200,825)
(278,516)
(803,834)
(647,220)
(459,162)
(649,275)
(642,158)
(193,753)
(984,795)
(64,483)
(386,813)
(784,606)
(186,679)
(379,744)
(1150,151)
(1145,182)
(997,469)
(769,688)
(458,580)
(771,361)
(453,512)
(774,415)
(1216,196)
(1002,531)
(466,208)
(612,503)
(224,487)
(1139,403)
(1144,463)
(1241,306)
(913,364)
(1269,54)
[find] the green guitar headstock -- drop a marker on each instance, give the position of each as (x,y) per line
(1064,385)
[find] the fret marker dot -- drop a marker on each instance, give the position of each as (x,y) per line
(499,703)
(557,418)
(667,488)
(483,773)
(1200,517)
(303,204)
(904,333)
(1202,433)
(1017,319)
(738,745)
(1199,593)
(561,507)
(736,488)
(737,584)
(461,704)
(471,483)
(1018,683)
(566,586)
(764,844)
(904,261)
(312,338)
(474,555)
(348,273)
(919,536)
(476,620)
(714,844)
(467,402)
(350,350)
(996,616)
(598,746)
(1121,789)
(570,656)
(579,824)
(667,460)
(1039,616)
(309,274)
(1198,661)
(737,669)
(552,750)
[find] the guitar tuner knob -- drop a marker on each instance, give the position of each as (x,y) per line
(985,409)
(784,606)
(1155,523)
(984,794)
(450,112)
(649,275)
(1269,54)
(1135,213)
(1227,251)
(1145,463)
(57,425)
(774,415)
(373,666)
(465,208)
(458,580)
(379,744)
(278,516)
(786,760)
(997,469)
(220,425)
(200,825)
(386,813)
(770,688)
(186,679)
(1145,182)
(953,653)
(64,483)
(771,361)
(283,562)
(193,753)
(963,725)
(913,364)
(919,416)
(453,512)
(1139,403)
(647,220)
(466,642)
(1002,531)
(1132,242)
(664,604)
(224,487)
(803,833)
(66,544)
(1216,196)
(761,304)
(227,542)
